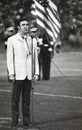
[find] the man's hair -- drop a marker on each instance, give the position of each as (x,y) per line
(22,19)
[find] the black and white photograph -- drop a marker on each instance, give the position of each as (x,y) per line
(40,64)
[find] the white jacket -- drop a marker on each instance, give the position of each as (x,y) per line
(19,60)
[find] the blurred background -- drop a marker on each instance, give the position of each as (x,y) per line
(70,16)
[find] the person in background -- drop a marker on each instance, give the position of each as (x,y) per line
(47,47)
(35,34)
(8,33)
(40,44)
(45,57)
(19,64)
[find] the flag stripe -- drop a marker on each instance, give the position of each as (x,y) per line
(54,28)
(53,6)
(38,6)
(43,16)
(53,17)
(43,26)
(47,17)
(46,21)
(40,11)
(55,24)
(54,11)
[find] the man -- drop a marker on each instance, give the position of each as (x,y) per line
(8,32)
(36,38)
(19,64)
(45,57)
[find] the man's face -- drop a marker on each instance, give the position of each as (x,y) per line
(23,27)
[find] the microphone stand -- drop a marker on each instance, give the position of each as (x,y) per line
(32,76)
(32,118)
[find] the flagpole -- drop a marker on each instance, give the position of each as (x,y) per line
(32,93)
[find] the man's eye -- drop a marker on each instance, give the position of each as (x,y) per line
(24,24)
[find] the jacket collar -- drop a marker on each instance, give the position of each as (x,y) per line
(19,37)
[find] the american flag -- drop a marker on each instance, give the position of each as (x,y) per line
(47,17)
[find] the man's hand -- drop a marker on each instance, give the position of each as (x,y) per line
(58,47)
(12,78)
(35,78)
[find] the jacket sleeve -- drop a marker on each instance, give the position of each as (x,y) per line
(36,63)
(10,57)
